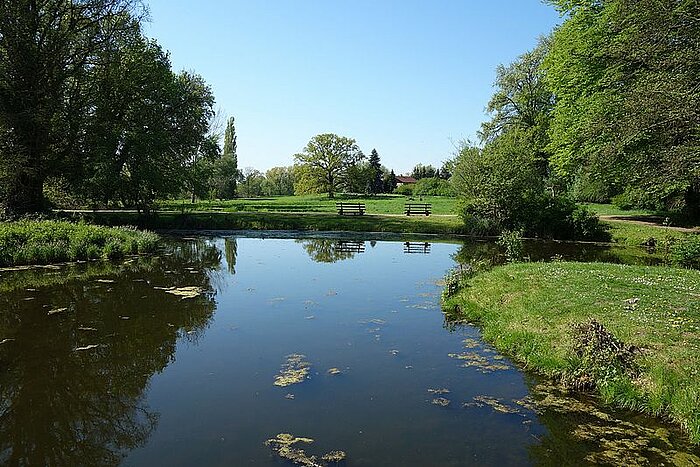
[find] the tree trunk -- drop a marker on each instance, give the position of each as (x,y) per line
(25,195)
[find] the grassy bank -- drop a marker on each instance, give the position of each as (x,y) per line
(529,311)
(47,241)
(277,221)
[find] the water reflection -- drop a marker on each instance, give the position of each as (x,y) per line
(475,251)
(323,250)
(416,247)
(231,250)
(76,359)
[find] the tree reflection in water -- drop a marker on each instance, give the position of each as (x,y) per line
(62,406)
(323,250)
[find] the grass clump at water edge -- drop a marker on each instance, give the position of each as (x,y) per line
(631,333)
(48,241)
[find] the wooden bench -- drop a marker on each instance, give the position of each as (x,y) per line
(418,208)
(355,209)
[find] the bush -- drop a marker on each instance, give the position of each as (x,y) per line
(587,190)
(512,242)
(542,216)
(477,221)
(433,187)
(686,252)
(406,190)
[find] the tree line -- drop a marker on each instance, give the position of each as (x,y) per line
(604,109)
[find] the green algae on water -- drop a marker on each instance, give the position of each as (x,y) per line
(483,364)
(494,403)
(441,401)
(284,446)
(293,371)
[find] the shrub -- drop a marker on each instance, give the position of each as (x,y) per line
(406,190)
(433,187)
(512,242)
(588,190)
(541,215)
(686,252)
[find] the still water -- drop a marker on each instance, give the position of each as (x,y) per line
(173,359)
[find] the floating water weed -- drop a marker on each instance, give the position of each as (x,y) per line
(284,446)
(441,401)
(476,360)
(184,292)
(494,403)
(294,371)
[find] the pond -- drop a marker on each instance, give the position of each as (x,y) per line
(201,354)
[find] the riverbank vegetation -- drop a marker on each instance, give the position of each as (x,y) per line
(603,109)
(631,333)
(47,241)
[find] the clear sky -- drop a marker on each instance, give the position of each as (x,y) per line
(407,77)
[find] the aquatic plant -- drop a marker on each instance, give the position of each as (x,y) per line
(512,243)
(441,401)
(284,446)
(294,371)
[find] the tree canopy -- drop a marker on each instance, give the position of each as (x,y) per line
(87,100)
(326,160)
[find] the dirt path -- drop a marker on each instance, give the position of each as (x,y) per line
(648,221)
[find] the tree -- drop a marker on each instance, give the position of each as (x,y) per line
(252,183)
(279,181)
(376,184)
(423,171)
(358,178)
(47,53)
(227,173)
(522,100)
(389,181)
(326,159)
(627,115)
(148,127)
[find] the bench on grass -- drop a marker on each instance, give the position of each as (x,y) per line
(354,209)
(422,209)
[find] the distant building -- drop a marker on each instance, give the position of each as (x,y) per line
(401,180)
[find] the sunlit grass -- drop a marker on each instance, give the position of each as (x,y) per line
(527,310)
(44,242)
(380,204)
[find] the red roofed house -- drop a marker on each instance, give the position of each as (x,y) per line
(401,180)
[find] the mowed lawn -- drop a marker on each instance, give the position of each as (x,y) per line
(381,204)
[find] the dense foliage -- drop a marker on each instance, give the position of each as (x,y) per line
(605,108)
(89,104)
(625,75)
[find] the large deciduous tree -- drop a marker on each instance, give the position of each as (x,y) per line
(147,135)
(47,51)
(325,161)
(626,75)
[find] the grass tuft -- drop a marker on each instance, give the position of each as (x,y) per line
(46,241)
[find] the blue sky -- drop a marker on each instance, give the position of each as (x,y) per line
(407,77)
